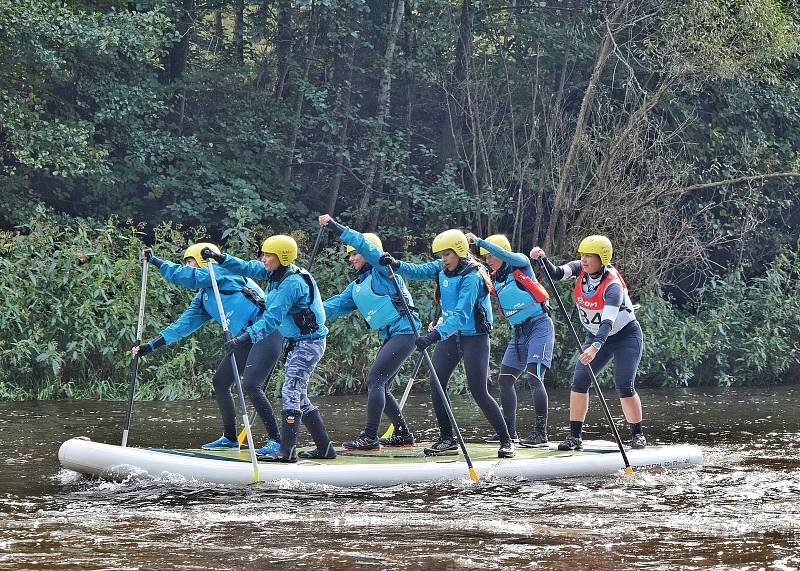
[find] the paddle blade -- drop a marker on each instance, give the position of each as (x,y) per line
(242,436)
(473,475)
(389,432)
(629,470)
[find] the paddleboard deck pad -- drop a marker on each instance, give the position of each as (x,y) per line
(387,467)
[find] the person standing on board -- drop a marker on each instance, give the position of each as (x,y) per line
(294,307)
(243,300)
(612,332)
(373,295)
(523,301)
(462,289)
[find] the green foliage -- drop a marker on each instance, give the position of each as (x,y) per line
(742,332)
(69,296)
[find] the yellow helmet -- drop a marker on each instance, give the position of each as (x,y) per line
(372,239)
(282,246)
(194,250)
(451,240)
(498,240)
(599,245)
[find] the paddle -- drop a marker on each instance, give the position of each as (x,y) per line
(436,383)
(615,432)
(224,321)
(314,251)
(126,424)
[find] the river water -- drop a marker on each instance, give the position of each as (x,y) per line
(741,510)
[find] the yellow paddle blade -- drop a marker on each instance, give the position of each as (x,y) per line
(629,470)
(473,475)
(242,436)
(389,432)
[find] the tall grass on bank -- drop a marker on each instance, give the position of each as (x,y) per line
(69,302)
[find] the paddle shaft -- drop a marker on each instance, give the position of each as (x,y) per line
(436,382)
(596,384)
(126,423)
(224,322)
(274,368)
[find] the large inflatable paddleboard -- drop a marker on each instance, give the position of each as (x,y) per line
(388,467)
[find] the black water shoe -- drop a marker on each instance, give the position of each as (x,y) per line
(362,442)
(638,441)
(398,440)
(571,443)
(316,454)
(507,450)
(442,447)
(535,439)
(495,439)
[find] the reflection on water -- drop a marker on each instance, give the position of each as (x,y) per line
(740,511)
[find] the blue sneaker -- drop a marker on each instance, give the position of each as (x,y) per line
(271,447)
(221,443)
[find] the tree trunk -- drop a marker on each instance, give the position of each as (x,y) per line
(554,125)
(238,30)
(284,47)
(175,61)
(454,103)
(219,32)
(382,110)
(308,52)
(558,216)
(341,146)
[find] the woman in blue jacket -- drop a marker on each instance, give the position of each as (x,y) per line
(243,301)
(524,302)
(294,307)
(373,296)
(462,289)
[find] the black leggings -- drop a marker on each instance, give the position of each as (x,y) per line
(508,394)
(254,362)
(391,356)
(474,350)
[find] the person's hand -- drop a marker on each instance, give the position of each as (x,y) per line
(537,252)
(588,355)
(325,219)
(236,342)
(387,259)
(431,325)
(471,238)
(151,259)
(426,341)
(209,254)
(142,350)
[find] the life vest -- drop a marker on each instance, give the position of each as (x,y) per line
(447,289)
(241,306)
(301,321)
(590,306)
(520,296)
(380,310)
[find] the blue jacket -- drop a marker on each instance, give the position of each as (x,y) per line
(285,299)
(239,310)
(457,311)
(343,303)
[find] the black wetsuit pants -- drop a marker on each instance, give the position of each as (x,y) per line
(391,356)
(255,362)
(474,350)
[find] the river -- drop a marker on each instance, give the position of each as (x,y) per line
(741,510)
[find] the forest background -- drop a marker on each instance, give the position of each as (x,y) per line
(672,127)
